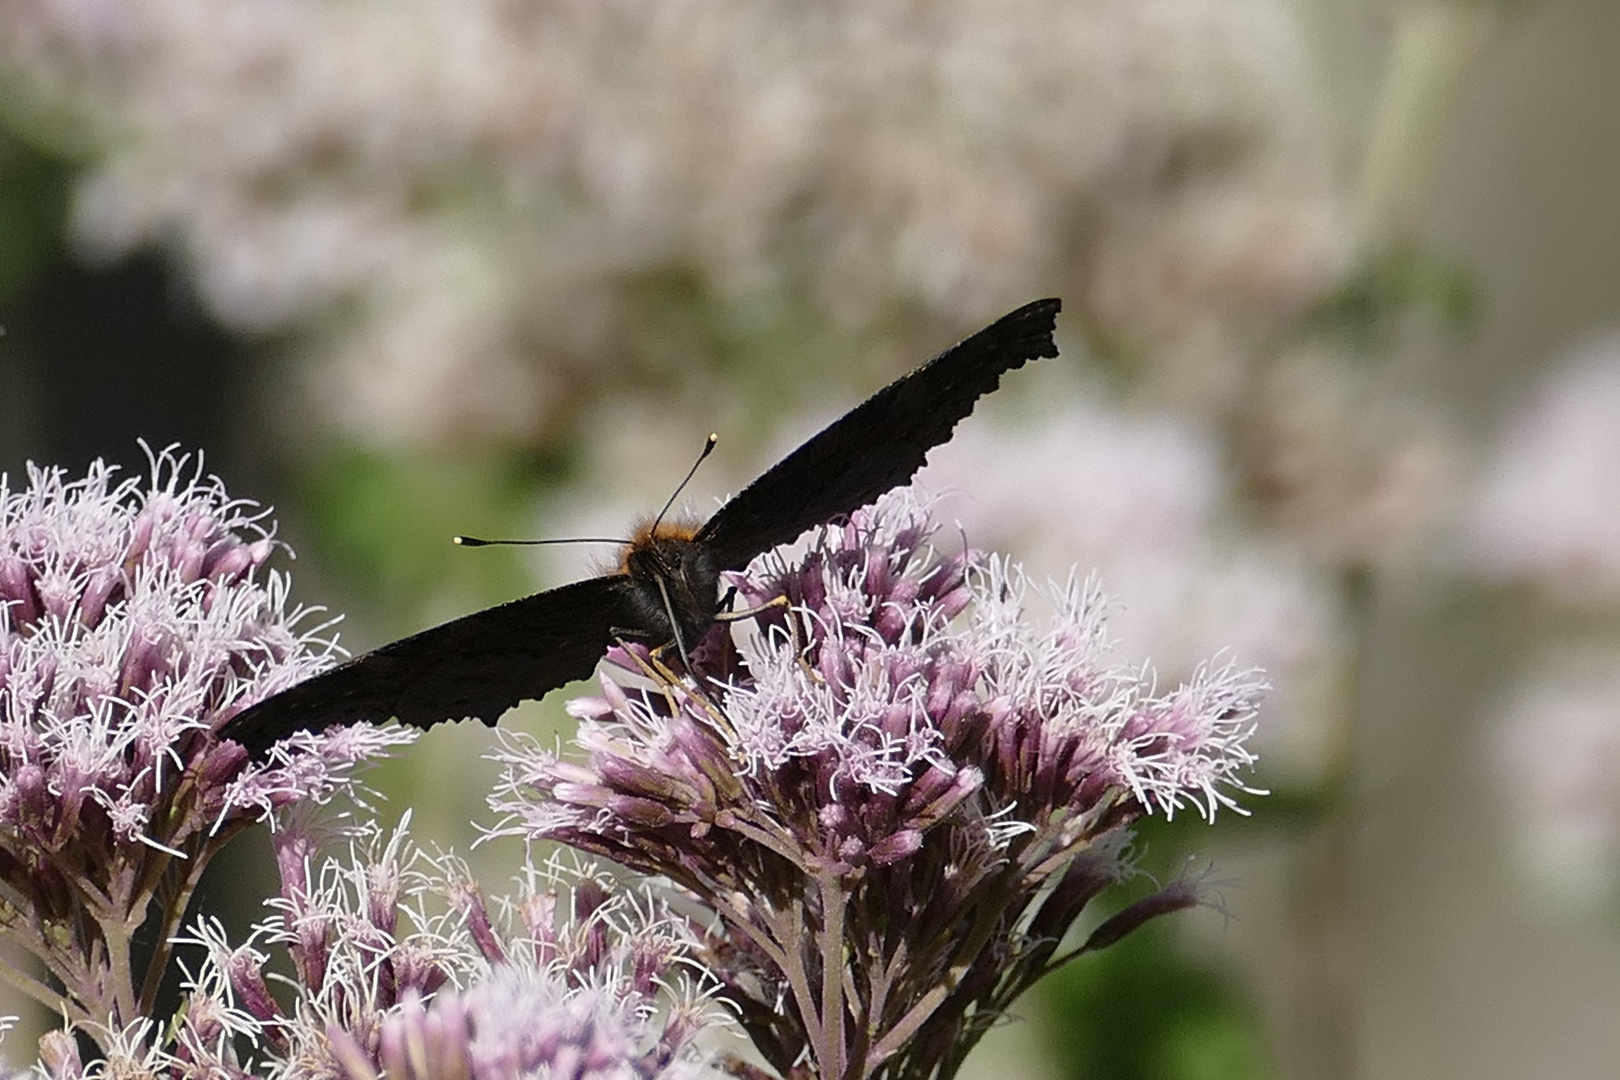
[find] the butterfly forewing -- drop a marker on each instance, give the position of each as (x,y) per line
(878,445)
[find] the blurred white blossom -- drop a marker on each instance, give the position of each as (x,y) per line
(1334,454)
(1140,498)
(1548,510)
(462,198)
(1559,748)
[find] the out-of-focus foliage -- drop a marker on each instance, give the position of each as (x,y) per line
(1146,1010)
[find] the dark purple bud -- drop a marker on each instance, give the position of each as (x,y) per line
(221,762)
(35,809)
(140,659)
(96,591)
(74,784)
(416,970)
(896,719)
(227,561)
(835,818)
(1094,786)
(967,781)
(470,902)
(944,690)
(293,850)
(903,596)
(705,752)
(310,952)
(954,603)
(641,813)
(140,535)
(17,590)
(589,898)
(246,975)
(204,1019)
(1177,896)
(933,783)
(1088,874)
(879,576)
(647,966)
(1139,723)
(633,778)
(897,846)
(891,622)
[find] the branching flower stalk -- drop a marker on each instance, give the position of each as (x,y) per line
(897,795)
(135,619)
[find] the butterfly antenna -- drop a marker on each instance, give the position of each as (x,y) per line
(708,448)
(473,541)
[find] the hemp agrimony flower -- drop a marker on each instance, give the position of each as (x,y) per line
(897,794)
(135,619)
(401,969)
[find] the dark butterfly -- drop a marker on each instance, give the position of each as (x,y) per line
(667,587)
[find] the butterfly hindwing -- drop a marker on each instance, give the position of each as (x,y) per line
(878,445)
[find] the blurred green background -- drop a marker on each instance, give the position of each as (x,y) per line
(1333,273)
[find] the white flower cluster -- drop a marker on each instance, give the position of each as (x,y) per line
(480,189)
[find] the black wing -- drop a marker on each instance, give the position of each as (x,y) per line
(480,665)
(880,443)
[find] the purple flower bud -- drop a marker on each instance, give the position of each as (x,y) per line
(897,846)
(60,1056)
(382,896)
(227,562)
(1176,897)
(597,795)
(470,902)
(539,913)
(417,967)
(34,809)
(632,778)
(246,974)
(97,589)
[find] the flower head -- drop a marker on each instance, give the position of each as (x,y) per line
(135,619)
(895,767)
(401,969)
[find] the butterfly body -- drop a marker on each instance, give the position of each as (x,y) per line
(672,581)
(666,588)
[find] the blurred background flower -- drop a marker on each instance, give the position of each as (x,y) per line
(417,268)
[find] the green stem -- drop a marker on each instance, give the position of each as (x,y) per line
(833,1062)
(1434,43)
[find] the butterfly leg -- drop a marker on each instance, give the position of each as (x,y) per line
(666,679)
(801,646)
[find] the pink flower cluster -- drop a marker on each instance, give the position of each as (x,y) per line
(135,618)
(897,766)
